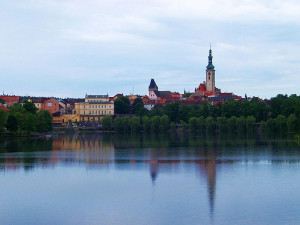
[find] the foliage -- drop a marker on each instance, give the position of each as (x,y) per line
(292,123)
(241,125)
(193,124)
(12,123)
(221,123)
(155,121)
(3,119)
(30,107)
(250,124)
(146,123)
(2,101)
(134,124)
(210,125)
(43,121)
(164,123)
(138,106)
(121,105)
(106,123)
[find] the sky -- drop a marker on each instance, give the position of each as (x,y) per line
(67,48)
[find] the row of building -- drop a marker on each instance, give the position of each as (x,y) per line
(92,108)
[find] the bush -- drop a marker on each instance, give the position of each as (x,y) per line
(106,123)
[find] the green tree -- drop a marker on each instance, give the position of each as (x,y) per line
(155,121)
(12,123)
(232,124)
(2,101)
(172,111)
(121,105)
(134,124)
(43,121)
(30,107)
(146,123)
(164,123)
(250,124)
(193,124)
(106,123)
(137,106)
(29,122)
(281,124)
(201,124)
(118,124)
(210,125)
(221,122)
(292,123)
(241,125)
(3,119)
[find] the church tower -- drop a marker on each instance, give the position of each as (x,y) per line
(210,73)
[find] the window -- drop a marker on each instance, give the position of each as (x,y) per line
(49,104)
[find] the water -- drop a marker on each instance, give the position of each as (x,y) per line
(94,179)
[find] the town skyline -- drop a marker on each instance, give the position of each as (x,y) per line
(70,48)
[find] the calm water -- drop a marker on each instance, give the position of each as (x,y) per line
(94,179)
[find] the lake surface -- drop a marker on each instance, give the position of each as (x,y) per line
(178,179)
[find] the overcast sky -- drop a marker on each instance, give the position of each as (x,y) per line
(66,48)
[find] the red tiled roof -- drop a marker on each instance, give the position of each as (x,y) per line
(4,108)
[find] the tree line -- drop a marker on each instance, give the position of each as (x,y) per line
(280,114)
(24,119)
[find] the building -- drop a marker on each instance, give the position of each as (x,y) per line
(10,100)
(208,87)
(94,108)
(50,104)
(2,107)
(37,101)
(152,86)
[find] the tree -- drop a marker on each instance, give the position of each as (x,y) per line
(12,123)
(250,124)
(3,119)
(121,105)
(210,125)
(281,124)
(30,107)
(29,122)
(155,121)
(2,101)
(134,124)
(193,124)
(137,105)
(146,123)
(164,123)
(201,124)
(292,123)
(43,121)
(232,124)
(118,124)
(106,123)
(221,122)
(241,125)
(172,111)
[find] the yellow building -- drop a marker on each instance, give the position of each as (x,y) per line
(66,120)
(94,108)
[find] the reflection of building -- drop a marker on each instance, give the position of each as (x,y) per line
(208,169)
(94,108)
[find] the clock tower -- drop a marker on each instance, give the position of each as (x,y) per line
(210,73)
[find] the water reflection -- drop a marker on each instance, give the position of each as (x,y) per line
(157,155)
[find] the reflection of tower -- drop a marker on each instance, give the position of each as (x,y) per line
(153,165)
(208,169)
(153,170)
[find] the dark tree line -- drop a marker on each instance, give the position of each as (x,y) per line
(25,119)
(278,115)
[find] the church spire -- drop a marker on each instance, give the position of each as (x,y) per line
(210,65)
